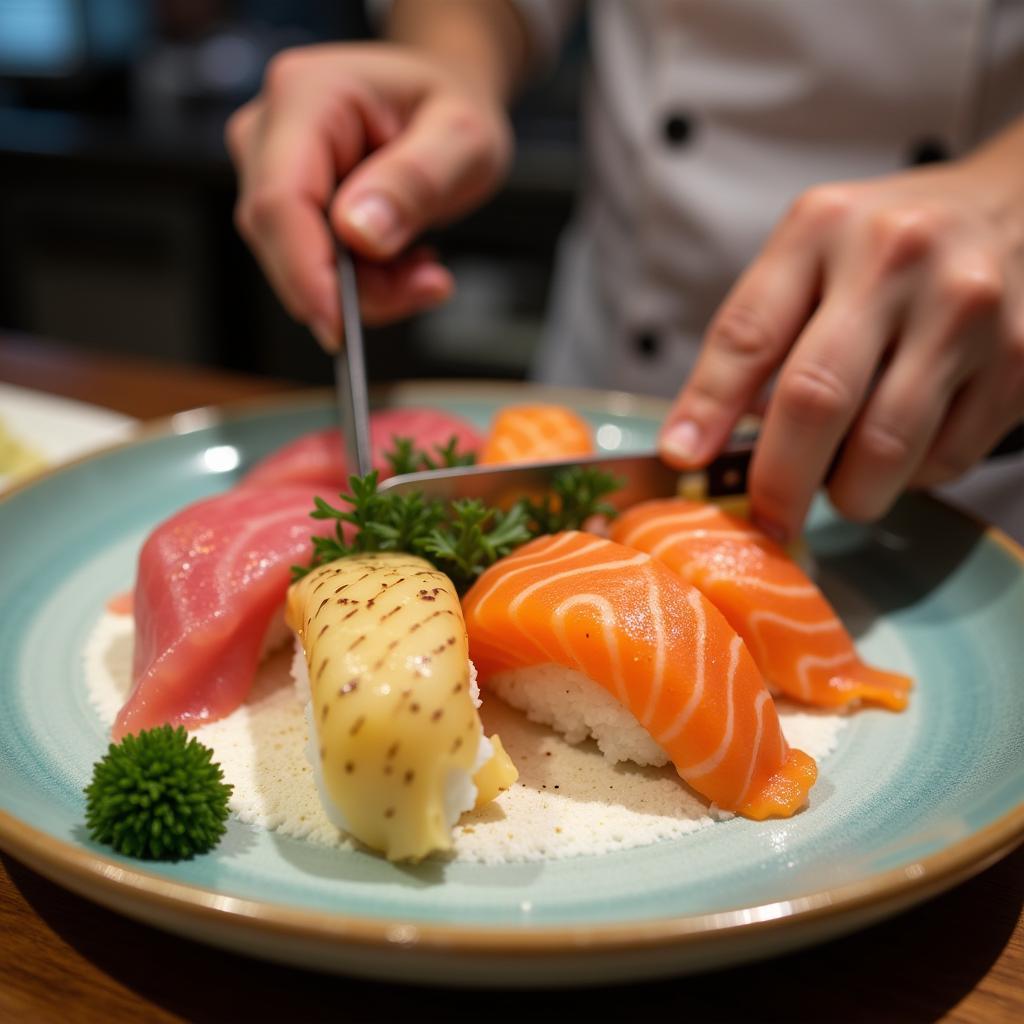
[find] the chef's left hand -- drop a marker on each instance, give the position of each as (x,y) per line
(893,310)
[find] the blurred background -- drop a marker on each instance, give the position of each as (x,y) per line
(116,202)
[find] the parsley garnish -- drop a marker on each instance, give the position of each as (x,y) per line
(462,538)
(404,457)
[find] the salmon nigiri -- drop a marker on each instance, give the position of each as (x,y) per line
(792,631)
(532,433)
(628,624)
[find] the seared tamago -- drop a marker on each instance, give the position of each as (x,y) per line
(396,741)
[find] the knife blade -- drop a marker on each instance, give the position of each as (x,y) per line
(644,476)
(350,371)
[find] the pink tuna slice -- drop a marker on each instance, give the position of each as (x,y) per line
(209,581)
(318,459)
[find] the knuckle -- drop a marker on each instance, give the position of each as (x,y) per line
(903,236)
(261,209)
(813,395)
(972,287)
(283,68)
(740,330)
(486,141)
(884,444)
(822,207)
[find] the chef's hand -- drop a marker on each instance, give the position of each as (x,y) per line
(413,144)
(893,310)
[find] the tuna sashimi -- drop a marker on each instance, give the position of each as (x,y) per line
(532,433)
(658,646)
(318,459)
(792,631)
(210,580)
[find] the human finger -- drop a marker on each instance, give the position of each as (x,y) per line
(990,404)
(819,391)
(239,129)
(391,291)
(946,339)
(299,143)
(748,337)
(448,158)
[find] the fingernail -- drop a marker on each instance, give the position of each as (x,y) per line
(376,219)
(777,533)
(324,334)
(682,441)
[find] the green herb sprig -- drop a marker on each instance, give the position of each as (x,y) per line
(157,795)
(474,538)
(461,538)
(576,494)
(405,457)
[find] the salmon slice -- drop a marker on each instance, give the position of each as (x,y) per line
(792,631)
(658,646)
(533,433)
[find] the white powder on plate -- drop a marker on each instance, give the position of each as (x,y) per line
(569,800)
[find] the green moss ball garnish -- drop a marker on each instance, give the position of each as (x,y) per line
(158,796)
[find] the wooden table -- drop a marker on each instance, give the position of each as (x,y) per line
(959,957)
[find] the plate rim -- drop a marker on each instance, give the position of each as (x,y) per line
(91,873)
(297,399)
(870,897)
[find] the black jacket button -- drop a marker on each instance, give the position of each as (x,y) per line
(928,151)
(647,344)
(677,129)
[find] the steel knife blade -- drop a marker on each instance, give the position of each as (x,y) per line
(644,476)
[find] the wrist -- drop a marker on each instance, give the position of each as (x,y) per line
(481,44)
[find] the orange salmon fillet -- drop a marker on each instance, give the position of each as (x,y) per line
(658,646)
(792,631)
(531,433)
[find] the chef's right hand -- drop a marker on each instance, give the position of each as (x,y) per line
(412,145)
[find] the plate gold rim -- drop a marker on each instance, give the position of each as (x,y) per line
(109,881)
(894,888)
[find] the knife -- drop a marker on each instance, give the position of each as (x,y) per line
(644,476)
(350,371)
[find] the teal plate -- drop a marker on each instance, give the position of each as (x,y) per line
(907,806)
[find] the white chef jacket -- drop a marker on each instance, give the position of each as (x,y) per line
(704,119)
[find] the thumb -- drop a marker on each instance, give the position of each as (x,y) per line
(450,157)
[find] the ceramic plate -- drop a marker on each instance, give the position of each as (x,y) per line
(907,805)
